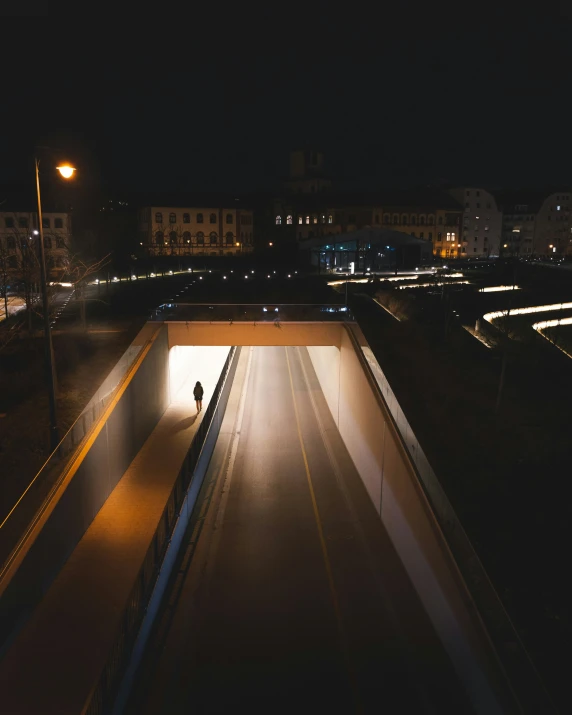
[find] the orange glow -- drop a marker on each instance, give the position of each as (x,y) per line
(66,170)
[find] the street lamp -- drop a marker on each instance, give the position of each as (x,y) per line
(67,172)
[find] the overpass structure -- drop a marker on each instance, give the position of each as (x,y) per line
(288,547)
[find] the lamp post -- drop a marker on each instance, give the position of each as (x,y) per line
(67,172)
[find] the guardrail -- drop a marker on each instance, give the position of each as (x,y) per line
(102,696)
(252,312)
(511,653)
(30,505)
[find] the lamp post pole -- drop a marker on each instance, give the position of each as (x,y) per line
(49,352)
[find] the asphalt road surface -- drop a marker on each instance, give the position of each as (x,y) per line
(292,598)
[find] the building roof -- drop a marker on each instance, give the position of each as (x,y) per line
(421,199)
(533,198)
(188,199)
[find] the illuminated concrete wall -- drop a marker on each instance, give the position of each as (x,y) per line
(193,361)
(90,477)
(201,333)
(390,480)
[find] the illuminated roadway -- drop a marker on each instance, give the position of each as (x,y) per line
(291,598)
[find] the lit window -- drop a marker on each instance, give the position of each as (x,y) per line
(278,220)
(315,219)
(323,218)
(558,208)
(330,218)
(289,220)
(307,219)
(300,219)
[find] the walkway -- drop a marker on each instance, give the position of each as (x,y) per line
(60,653)
(294,600)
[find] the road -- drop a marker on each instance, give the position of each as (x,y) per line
(292,599)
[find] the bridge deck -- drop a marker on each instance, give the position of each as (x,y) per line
(294,599)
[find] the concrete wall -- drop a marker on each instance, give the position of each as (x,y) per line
(89,479)
(193,361)
(391,482)
(202,333)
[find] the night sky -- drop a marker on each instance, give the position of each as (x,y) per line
(480,94)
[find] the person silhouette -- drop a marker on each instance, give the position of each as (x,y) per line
(198,393)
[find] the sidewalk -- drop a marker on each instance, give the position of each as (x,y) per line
(58,657)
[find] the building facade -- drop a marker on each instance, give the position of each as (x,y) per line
(537,224)
(189,231)
(553,226)
(482,222)
(434,219)
(19,241)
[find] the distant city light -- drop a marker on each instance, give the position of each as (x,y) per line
(497,289)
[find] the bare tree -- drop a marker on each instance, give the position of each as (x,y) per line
(79,273)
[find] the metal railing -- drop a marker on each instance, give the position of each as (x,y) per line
(101,698)
(251,312)
(33,501)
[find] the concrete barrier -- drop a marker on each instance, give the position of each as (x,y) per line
(390,479)
(88,480)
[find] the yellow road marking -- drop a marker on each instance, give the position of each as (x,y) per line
(334,595)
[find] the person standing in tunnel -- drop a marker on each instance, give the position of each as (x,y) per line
(198,393)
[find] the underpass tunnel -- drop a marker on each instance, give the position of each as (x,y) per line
(191,363)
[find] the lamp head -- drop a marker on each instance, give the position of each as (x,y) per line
(66,170)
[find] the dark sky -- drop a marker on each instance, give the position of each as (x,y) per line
(478,94)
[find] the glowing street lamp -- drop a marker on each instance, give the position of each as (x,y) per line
(67,172)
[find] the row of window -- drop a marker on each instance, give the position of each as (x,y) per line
(200,238)
(309,219)
(478,206)
(48,244)
(396,220)
(200,218)
(24,223)
(405,220)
